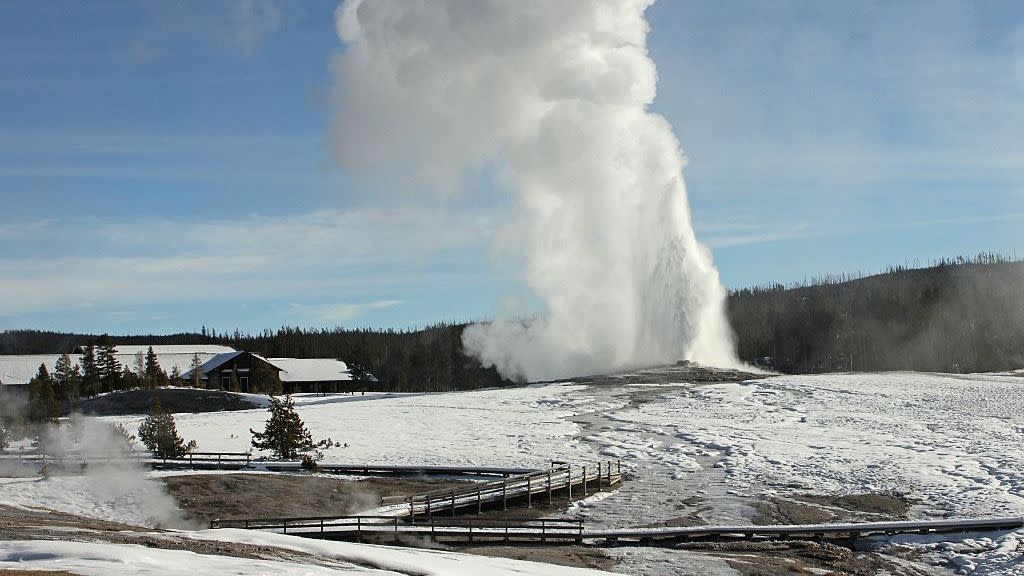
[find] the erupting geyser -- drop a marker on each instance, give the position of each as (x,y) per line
(555,95)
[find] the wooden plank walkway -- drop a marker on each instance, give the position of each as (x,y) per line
(540,484)
(452,530)
(665,535)
(559,531)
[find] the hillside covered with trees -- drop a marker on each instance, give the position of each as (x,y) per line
(963,315)
(955,316)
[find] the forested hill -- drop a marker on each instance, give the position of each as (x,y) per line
(956,316)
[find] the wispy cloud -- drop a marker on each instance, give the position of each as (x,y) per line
(732,233)
(339,313)
(315,256)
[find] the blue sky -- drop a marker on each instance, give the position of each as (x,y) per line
(163,166)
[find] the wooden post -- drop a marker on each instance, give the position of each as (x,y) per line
(543,532)
(430,517)
(479,504)
(598,475)
(284,523)
(504,495)
(550,502)
(529,493)
(359,529)
(453,504)
(584,480)
(609,472)
(568,482)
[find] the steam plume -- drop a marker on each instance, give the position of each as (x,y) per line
(555,95)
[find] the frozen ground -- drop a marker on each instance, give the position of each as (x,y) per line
(952,445)
(516,427)
(323,558)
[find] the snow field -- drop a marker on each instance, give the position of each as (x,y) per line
(334,558)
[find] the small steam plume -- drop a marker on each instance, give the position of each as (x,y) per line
(113,481)
(555,95)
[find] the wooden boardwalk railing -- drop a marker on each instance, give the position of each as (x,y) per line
(560,531)
(543,483)
(192,460)
(451,530)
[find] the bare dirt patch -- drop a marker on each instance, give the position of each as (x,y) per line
(800,557)
(4,572)
(575,556)
(204,497)
(817,509)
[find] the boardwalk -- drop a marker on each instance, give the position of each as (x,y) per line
(559,531)
(574,480)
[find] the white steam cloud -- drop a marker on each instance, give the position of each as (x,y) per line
(555,95)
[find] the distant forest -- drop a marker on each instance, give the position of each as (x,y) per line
(962,315)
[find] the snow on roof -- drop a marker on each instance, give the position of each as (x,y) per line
(311,369)
(19,369)
(132,349)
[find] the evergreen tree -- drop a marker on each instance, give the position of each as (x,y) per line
(175,378)
(285,435)
(154,375)
(197,371)
(42,404)
(129,380)
(109,367)
(66,380)
(90,372)
(233,384)
(267,380)
(5,436)
(159,434)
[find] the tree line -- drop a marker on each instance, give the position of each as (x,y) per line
(957,315)
(964,314)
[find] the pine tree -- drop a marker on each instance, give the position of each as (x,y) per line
(197,371)
(285,435)
(233,384)
(5,436)
(42,404)
(109,367)
(66,380)
(128,380)
(90,372)
(159,433)
(154,375)
(267,380)
(175,377)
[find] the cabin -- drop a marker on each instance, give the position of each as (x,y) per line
(250,370)
(297,375)
(318,375)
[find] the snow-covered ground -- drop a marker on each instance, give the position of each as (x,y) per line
(517,427)
(332,558)
(951,444)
